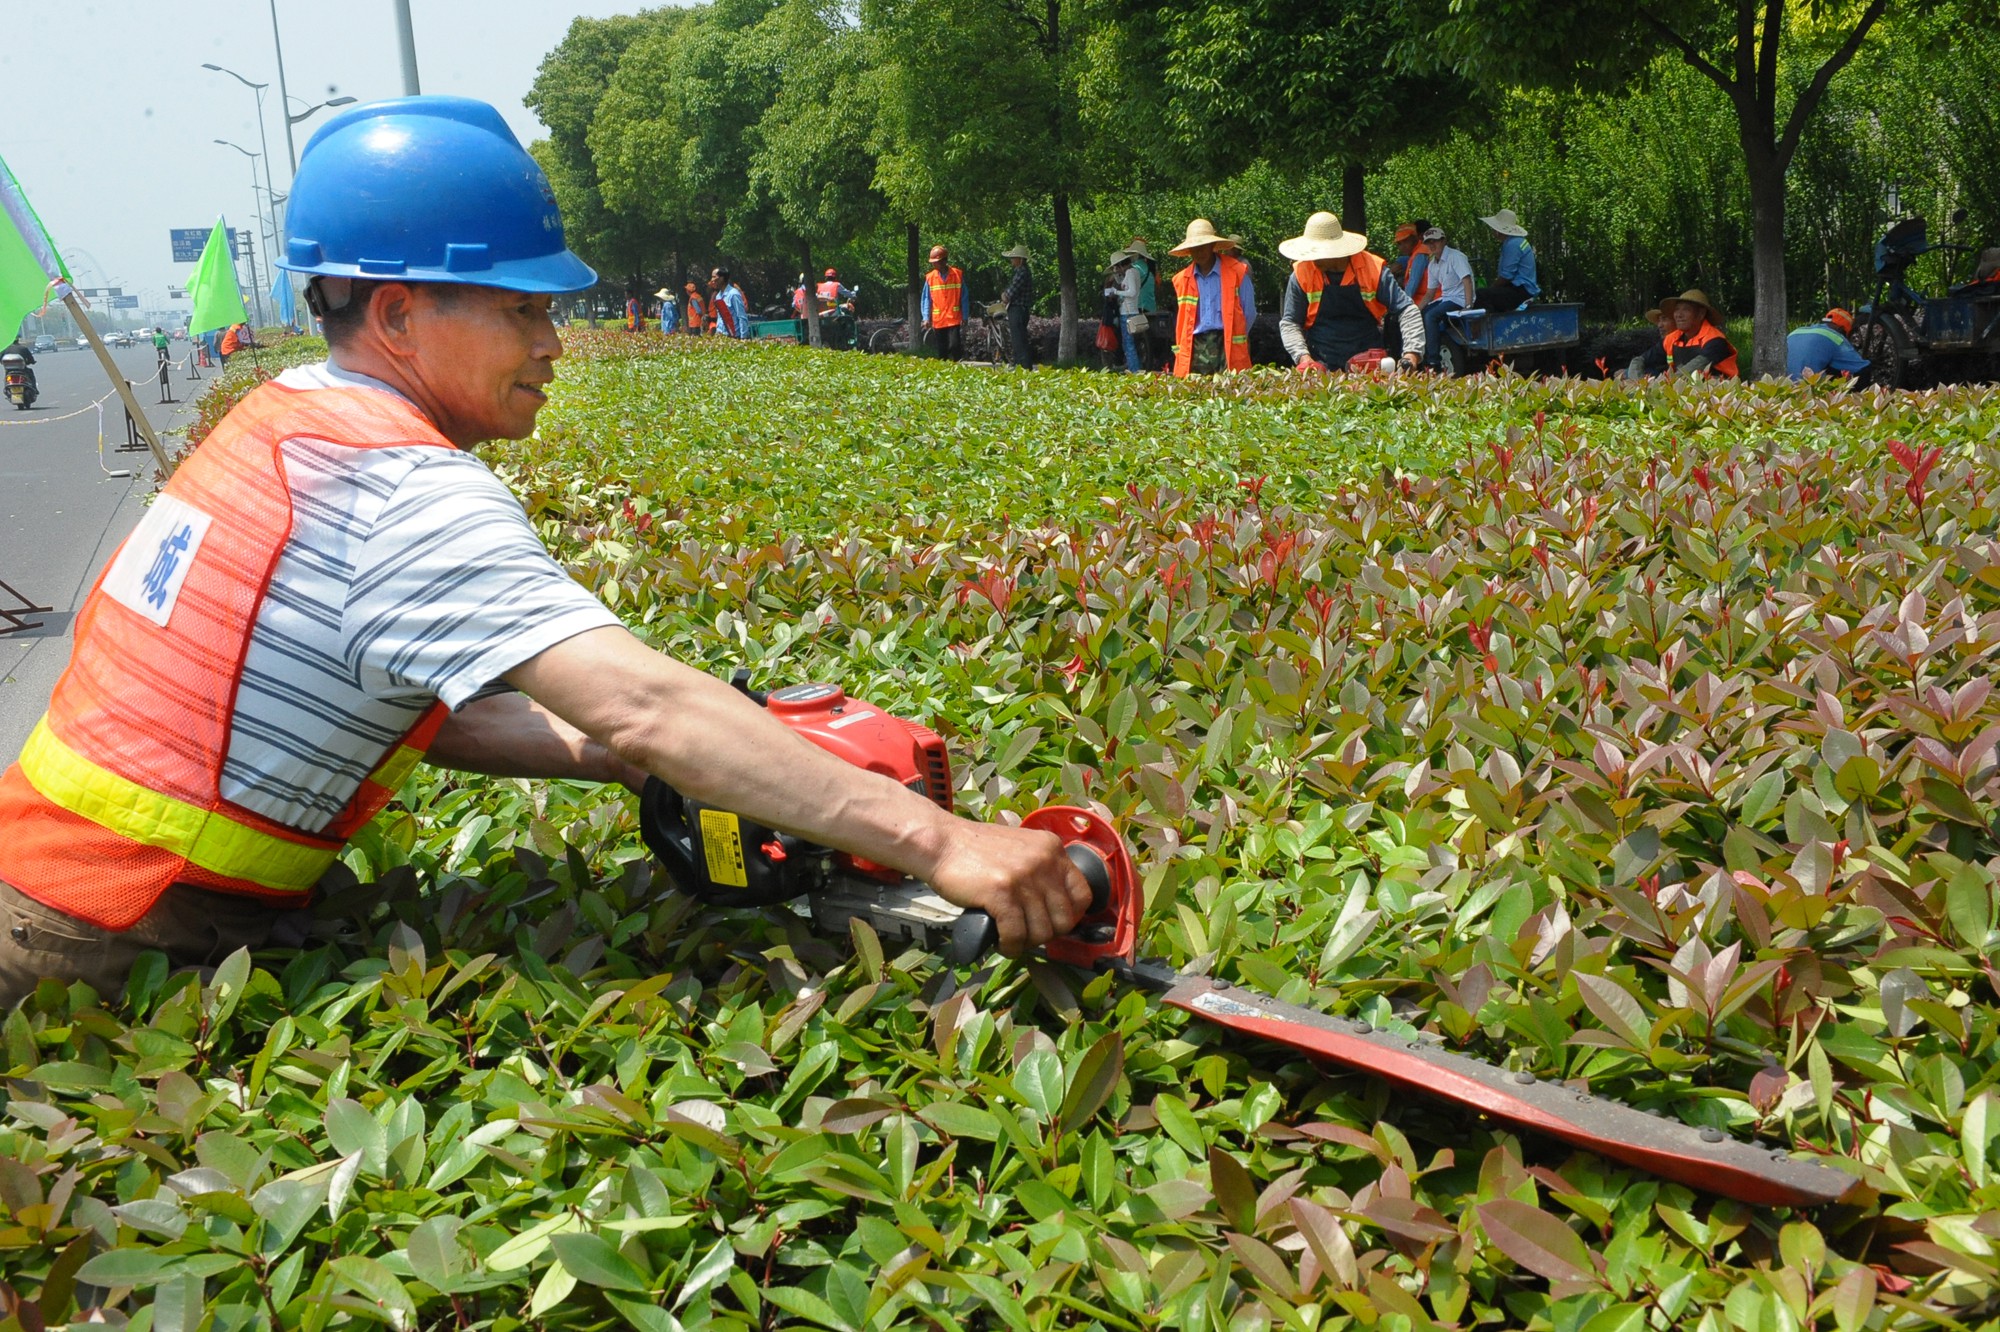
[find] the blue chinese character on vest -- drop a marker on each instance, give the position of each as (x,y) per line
(169,559)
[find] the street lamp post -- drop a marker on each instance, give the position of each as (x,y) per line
(262,139)
(256,287)
(284,93)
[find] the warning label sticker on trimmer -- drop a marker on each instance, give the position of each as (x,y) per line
(722,845)
(1223,1006)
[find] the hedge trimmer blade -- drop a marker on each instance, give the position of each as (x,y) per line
(1106,940)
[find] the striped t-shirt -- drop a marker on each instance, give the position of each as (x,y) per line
(411,575)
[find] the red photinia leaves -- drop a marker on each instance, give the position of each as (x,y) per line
(1729,786)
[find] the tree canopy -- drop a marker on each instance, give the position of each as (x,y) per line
(1753,147)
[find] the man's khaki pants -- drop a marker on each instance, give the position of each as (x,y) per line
(192,926)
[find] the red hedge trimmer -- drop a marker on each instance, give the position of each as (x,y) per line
(726,860)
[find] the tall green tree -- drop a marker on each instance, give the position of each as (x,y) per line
(981,107)
(1297,83)
(673,133)
(1740,46)
(812,171)
(567,91)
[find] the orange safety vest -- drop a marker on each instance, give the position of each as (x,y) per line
(694,314)
(947,310)
(1675,338)
(231,343)
(829,294)
(116,796)
(635,316)
(1236,337)
(1364,270)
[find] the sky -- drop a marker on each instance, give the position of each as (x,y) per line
(107,116)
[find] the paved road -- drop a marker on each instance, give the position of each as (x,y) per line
(61,518)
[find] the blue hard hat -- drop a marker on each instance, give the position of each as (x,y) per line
(427,189)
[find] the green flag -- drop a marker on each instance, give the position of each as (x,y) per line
(29,264)
(218,300)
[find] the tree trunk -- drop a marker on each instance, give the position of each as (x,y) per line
(1066,281)
(812,294)
(913,291)
(1353,201)
(1767,241)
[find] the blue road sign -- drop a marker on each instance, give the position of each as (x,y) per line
(188,242)
(124,302)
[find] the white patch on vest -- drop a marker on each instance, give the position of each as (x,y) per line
(146,577)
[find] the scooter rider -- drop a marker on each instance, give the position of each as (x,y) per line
(19,348)
(332,588)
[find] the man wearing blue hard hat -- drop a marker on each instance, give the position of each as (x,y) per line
(332,588)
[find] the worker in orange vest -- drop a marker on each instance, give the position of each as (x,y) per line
(697,311)
(635,314)
(1339,297)
(944,306)
(238,704)
(1216,305)
(1695,344)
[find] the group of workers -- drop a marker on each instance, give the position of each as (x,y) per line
(1343,305)
(721,311)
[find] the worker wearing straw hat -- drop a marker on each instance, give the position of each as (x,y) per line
(1216,306)
(1338,298)
(1019,298)
(1514,284)
(1695,345)
(670,310)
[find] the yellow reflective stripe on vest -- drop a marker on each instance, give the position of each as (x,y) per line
(206,839)
(396,769)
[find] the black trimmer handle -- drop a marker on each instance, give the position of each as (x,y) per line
(973,934)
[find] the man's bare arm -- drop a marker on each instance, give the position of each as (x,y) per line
(710,742)
(511,735)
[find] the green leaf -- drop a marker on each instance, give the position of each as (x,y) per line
(1536,1240)
(716,1264)
(1616,1008)
(1853,1298)
(377,1285)
(128,1267)
(1039,1080)
(591,1259)
(804,1304)
(1968,899)
(854,1115)
(1179,1123)
(435,1255)
(645,1316)
(1092,1082)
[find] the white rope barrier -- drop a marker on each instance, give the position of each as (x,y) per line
(87,407)
(95,406)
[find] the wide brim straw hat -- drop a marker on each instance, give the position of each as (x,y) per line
(1692,296)
(1018,252)
(1505,223)
(1138,247)
(1200,232)
(1118,257)
(663,293)
(1323,238)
